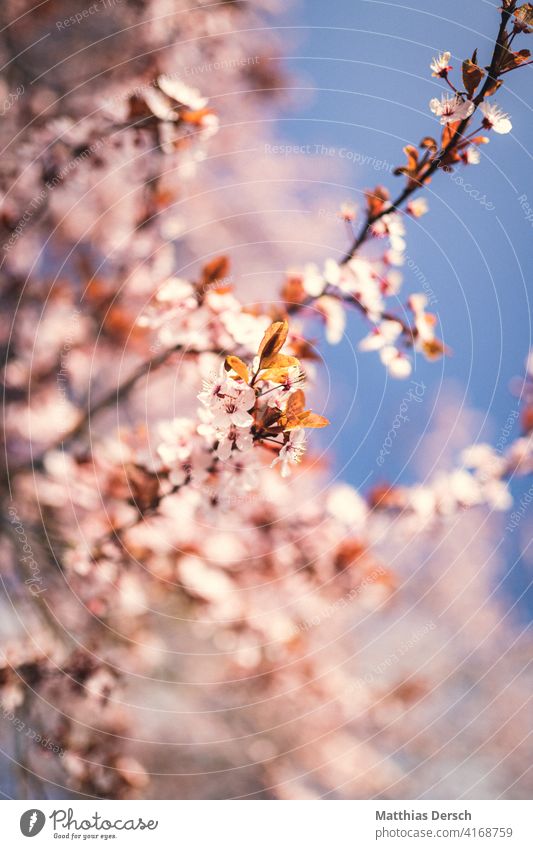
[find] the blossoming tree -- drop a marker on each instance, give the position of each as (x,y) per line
(171,546)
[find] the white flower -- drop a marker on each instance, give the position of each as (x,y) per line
(206,427)
(240,475)
(232,407)
(398,365)
(451,108)
(312,280)
(214,387)
(347,212)
(457,489)
(235,438)
(345,504)
(176,445)
(245,328)
(424,322)
(417,207)
(495,119)
(176,301)
(227,402)
(484,460)
(347,277)
(182,93)
(391,225)
(384,334)
(210,124)
(440,65)
(359,279)
(335,317)
(391,282)
(497,495)
(292,451)
(472,155)
(177,291)
(159,105)
(520,455)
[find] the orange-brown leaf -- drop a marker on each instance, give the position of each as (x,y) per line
(429,143)
(216,269)
(195,116)
(308,419)
(239,367)
(493,88)
(273,341)
(472,75)
(433,349)
(524,14)
(281,361)
(376,199)
(296,403)
(449,132)
(276,375)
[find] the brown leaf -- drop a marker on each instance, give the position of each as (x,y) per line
(524,14)
(143,486)
(429,143)
(296,403)
(294,409)
(216,269)
(527,419)
(239,367)
(313,420)
(277,367)
(376,199)
(472,75)
(293,291)
(273,341)
(304,349)
(493,88)
(509,59)
(282,361)
(276,375)
(522,56)
(433,349)
(412,167)
(448,133)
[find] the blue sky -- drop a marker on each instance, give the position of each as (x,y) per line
(368,62)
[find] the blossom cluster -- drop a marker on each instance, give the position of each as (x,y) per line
(158,507)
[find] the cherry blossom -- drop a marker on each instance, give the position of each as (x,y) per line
(312,280)
(418,207)
(495,118)
(451,108)
(398,365)
(235,438)
(348,212)
(148,489)
(440,65)
(382,335)
(230,405)
(335,318)
(472,156)
(292,452)
(176,444)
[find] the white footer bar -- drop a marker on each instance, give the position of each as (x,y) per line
(269,824)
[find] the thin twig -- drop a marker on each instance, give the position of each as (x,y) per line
(492,76)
